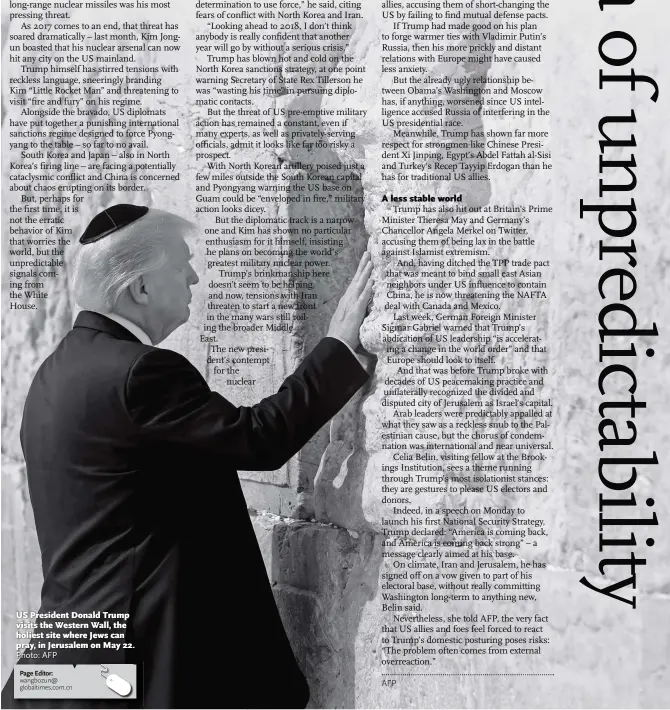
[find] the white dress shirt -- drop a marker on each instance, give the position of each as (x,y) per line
(129,326)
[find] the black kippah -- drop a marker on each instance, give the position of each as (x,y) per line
(111,219)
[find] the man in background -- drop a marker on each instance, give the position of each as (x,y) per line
(132,469)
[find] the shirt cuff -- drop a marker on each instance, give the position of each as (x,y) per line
(362,360)
(345,342)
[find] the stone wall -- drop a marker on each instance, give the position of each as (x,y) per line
(319,519)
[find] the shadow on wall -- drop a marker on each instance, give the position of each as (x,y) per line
(324,577)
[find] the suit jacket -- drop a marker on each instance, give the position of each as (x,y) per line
(131,464)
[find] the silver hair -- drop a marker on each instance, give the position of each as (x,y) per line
(103,270)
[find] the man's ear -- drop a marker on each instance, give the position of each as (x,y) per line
(138,291)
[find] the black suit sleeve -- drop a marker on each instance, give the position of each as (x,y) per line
(170,402)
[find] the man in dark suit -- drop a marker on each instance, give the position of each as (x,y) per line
(131,464)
